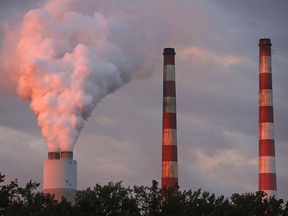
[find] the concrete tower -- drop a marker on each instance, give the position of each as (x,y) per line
(267,168)
(60,175)
(169,130)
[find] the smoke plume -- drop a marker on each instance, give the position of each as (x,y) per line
(68,62)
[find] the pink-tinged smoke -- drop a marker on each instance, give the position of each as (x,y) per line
(68,63)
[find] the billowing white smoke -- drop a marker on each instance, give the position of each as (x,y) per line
(68,63)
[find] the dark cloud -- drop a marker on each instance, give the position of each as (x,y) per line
(11,9)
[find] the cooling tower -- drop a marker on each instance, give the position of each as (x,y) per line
(169,129)
(267,168)
(60,176)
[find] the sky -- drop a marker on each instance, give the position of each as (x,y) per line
(216,44)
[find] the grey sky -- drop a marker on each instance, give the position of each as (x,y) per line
(216,44)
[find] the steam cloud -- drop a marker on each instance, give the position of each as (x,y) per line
(68,63)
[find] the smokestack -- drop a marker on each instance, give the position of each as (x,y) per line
(267,168)
(60,176)
(66,155)
(53,155)
(169,130)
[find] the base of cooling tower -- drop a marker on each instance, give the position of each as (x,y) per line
(69,194)
(60,179)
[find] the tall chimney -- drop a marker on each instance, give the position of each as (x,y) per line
(60,176)
(267,168)
(169,130)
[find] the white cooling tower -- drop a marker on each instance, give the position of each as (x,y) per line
(60,178)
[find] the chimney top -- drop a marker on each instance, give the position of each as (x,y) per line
(169,51)
(53,155)
(66,155)
(265,41)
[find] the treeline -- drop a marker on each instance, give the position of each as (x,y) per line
(115,200)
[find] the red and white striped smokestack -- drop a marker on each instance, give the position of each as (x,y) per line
(267,167)
(169,130)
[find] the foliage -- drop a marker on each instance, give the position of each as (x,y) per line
(109,200)
(115,200)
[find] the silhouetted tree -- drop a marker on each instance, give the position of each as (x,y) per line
(16,200)
(257,204)
(149,199)
(109,200)
(173,202)
(115,200)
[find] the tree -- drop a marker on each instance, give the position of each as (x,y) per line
(257,204)
(109,200)
(16,200)
(173,202)
(149,199)
(115,200)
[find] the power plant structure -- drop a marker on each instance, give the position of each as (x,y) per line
(267,167)
(60,170)
(60,175)
(169,129)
